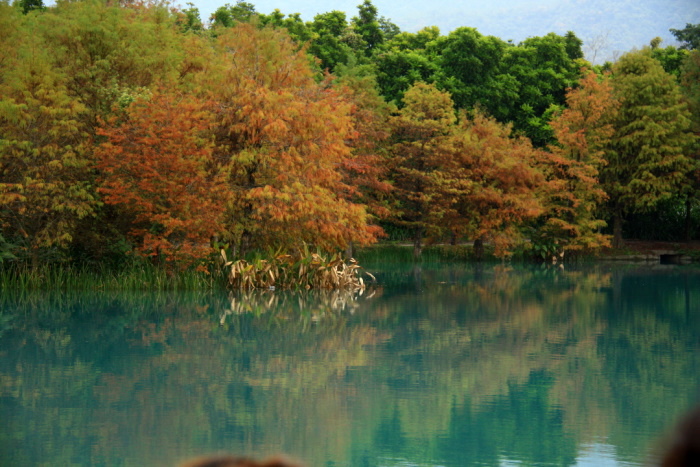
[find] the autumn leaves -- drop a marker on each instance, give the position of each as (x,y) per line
(157,166)
(464,179)
(120,131)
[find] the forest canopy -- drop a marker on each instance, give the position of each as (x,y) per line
(135,128)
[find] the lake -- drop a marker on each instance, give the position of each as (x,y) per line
(435,365)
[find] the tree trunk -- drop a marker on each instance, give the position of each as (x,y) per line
(350,251)
(244,244)
(618,242)
(478,249)
(686,227)
(417,245)
(35,259)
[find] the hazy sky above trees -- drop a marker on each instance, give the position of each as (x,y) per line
(611,27)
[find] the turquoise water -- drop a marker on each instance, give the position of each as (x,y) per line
(433,366)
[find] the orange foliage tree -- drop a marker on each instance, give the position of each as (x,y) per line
(504,192)
(157,165)
(582,131)
(470,178)
(365,171)
(285,137)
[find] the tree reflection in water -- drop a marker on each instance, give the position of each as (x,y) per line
(469,365)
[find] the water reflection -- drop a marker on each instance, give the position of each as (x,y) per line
(452,366)
(316,304)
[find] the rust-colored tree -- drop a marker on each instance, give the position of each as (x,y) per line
(468,179)
(285,137)
(157,165)
(365,172)
(582,131)
(504,190)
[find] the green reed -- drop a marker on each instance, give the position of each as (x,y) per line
(143,276)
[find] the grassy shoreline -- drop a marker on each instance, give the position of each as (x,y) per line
(148,277)
(144,277)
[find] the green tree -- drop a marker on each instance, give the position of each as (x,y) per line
(424,40)
(647,160)
(689,36)
(406,59)
(690,87)
(30,5)
(671,58)
(398,70)
(420,132)
(110,54)
(469,63)
(543,69)
(366,24)
(298,30)
(573,46)
(189,19)
(228,15)
(389,29)
(45,171)
(327,44)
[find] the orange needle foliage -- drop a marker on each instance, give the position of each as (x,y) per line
(573,166)
(504,188)
(285,137)
(471,178)
(365,172)
(157,165)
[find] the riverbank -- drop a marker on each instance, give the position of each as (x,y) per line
(653,251)
(634,250)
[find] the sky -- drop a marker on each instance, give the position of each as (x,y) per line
(616,26)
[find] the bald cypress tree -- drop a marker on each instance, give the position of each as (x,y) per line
(647,155)
(420,133)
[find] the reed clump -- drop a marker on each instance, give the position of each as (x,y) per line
(303,270)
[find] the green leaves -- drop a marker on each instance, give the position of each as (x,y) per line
(647,158)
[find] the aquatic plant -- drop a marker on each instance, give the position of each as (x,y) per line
(303,270)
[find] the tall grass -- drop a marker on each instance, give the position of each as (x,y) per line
(134,277)
(304,270)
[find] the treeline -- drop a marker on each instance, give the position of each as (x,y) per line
(133,128)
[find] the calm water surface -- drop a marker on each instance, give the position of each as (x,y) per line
(435,366)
